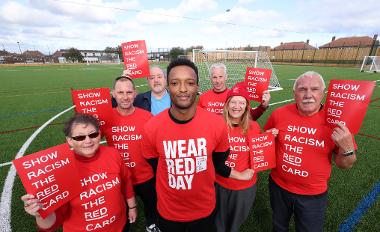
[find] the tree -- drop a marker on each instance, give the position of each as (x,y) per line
(190,49)
(175,52)
(73,55)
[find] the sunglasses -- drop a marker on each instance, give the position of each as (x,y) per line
(83,137)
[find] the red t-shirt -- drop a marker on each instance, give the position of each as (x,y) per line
(239,157)
(106,184)
(125,134)
(213,101)
(185,171)
(303,150)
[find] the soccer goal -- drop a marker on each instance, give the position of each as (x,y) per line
(236,63)
(371,64)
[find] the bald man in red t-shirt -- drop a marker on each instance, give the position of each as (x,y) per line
(304,153)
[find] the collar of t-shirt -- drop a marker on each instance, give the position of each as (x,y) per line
(178,121)
(159,104)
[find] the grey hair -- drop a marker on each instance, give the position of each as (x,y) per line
(219,65)
(156,66)
(309,73)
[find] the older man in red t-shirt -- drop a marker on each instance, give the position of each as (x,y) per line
(304,152)
(213,100)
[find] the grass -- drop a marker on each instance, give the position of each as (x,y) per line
(29,96)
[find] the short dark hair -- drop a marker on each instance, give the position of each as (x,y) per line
(86,119)
(181,62)
(123,78)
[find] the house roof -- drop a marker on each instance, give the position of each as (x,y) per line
(354,41)
(32,54)
(294,46)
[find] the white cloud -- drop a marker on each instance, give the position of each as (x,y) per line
(245,2)
(212,30)
(244,17)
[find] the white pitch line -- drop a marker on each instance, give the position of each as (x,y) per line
(6,195)
(276,103)
(5,164)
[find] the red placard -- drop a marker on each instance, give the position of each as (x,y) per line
(257,80)
(262,152)
(347,102)
(51,176)
(96,102)
(136,58)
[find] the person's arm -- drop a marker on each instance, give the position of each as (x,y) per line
(132,212)
(153,162)
(346,155)
(31,206)
(258,111)
(219,159)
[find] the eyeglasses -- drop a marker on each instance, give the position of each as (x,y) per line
(83,137)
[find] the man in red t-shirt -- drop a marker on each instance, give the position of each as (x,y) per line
(125,134)
(213,100)
(187,145)
(304,150)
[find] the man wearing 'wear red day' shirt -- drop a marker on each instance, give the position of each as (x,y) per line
(213,100)
(125,134)
(187,145)
(304,153)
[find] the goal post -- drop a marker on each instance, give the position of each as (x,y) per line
(370,64)
(236,63)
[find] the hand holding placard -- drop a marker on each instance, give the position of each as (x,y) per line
(51,176)
(347,102)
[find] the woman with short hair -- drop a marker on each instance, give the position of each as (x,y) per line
(110,191)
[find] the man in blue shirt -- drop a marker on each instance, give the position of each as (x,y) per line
(157,99)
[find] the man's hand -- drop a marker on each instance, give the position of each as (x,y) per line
(342,137)
(126,73)
(132,215)
(265,99)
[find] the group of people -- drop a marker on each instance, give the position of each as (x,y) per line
(188,160)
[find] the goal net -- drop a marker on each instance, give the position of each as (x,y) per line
(236,63)
(371,64)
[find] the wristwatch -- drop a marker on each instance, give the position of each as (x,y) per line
(348,153)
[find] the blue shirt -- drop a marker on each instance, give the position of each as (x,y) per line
(158,105)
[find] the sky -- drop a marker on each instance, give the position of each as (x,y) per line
(50,25)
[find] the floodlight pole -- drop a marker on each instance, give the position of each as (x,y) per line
(18,43)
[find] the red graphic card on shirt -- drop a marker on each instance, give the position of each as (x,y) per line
(257,80)
(347,102)
(262,152)
(136,58)
(96,102)
(51,176)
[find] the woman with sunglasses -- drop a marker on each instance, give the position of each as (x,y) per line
(235,197)
(106,185)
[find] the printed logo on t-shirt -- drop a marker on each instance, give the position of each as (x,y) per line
(296,139)
(215,107)
(95,208)
(184,158)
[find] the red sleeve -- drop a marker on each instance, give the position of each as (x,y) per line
(60,215)
(223,143)
(270,123)
(257,112)
(149,151)
(128,187)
